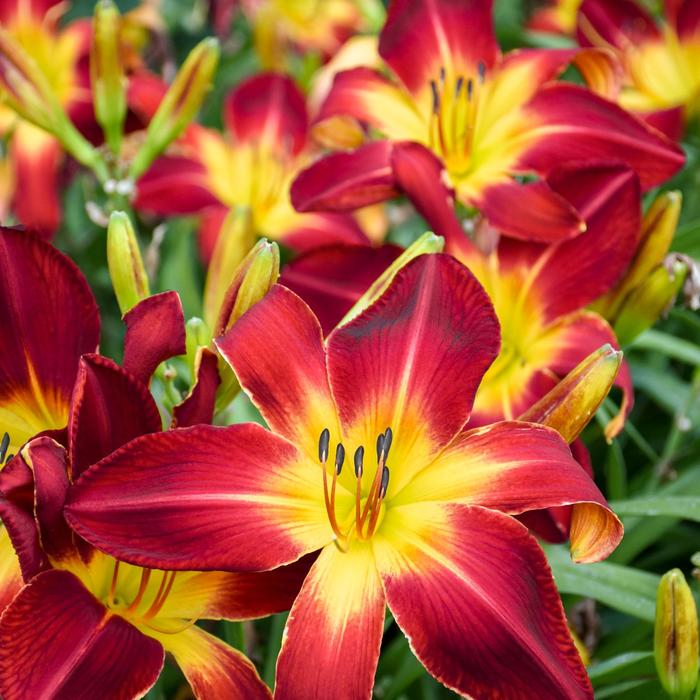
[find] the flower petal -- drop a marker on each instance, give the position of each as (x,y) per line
(531,211)
(203,498)
(213,669)
(366,95)
(570,123)
(37,156)
(514,468)
(346,181)
(313,230)
(50,319)
(10,573)
(155,332)
(614,23)
(57,640)
(419,38)
(486,619)
(331,279)
(331,643)
(412,361)
(276,350)
(269,109)
(198,406)
(109,408)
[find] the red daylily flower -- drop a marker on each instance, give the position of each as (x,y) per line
(557,17)
(491,120)
(660,64)
(249,168)
(34,156)
(426,527)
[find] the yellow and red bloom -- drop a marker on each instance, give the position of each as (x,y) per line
(660,64)
(248,169)
(491,119)
(424,524)
(557,17)
(61,55)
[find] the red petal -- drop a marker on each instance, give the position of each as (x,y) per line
(276,350)
(270,108)
(346,181)
(331,644)
(618,23)
(50,319)
(413,360)
(10,573)
(174,185)
(109,409)
(330,280)
(686,18)
(485,620)
(571,123)
(514,468)
(312,230)
(211,220)
(155,332)
(203,498)
(58,641)
(198,406)
(668,121)
(421,37)
(532,211)
(37,157)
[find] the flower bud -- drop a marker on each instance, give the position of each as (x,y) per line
(676,636)
(571,404)
(427,243)
(179,105)
(125,264)
(197,335)
(107,73)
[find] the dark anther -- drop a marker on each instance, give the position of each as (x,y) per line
(458,86)
(436,96)
(481,69)
(380,446)
(470,88)
(388,437)
(3,446)
(384,482)
(339,458)
(359,456)
(9,457)
(442,75)
(323,442)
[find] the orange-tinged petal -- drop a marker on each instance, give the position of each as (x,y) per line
(412,362)
(473,593)
(204,498)
(213,669)
(10,574)
(331,643)
(514,468)
(276,350)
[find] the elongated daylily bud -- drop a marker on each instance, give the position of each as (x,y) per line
(107,73)
(180,104)
(639,298)
(125,264)
(427,243)
(236,240)
(197,335)
(571,404)
(676,636)
(27,91)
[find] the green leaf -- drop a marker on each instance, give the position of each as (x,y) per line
(686,507)
(621,668)
(628,590)
(668,345)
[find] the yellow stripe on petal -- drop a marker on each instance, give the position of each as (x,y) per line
(10,575)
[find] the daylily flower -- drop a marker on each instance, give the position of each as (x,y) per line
(35,156)
(423,524)
(248,169)
(283,27)
(661,63)
(491,119)
(557,17)
(80,607)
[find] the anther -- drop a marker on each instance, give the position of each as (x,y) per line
(380,445)
(3,446)
(359,456)
(470,88)
(388,437)
(442,75)
(458,86)
(436,96)
(481,70)
(339,458)
(323,443)
(384,483)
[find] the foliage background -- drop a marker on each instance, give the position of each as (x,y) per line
(651,473)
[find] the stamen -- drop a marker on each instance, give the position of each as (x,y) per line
(177,630)
(436,97)
(458,86)
(329,498)
(359,456)
(339,458)
(323,443)
(380,445)
(3,446)
(113,586)
(481,70)
(384,483)
(161,595)
(145,575)
(377,504)
(388,437)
